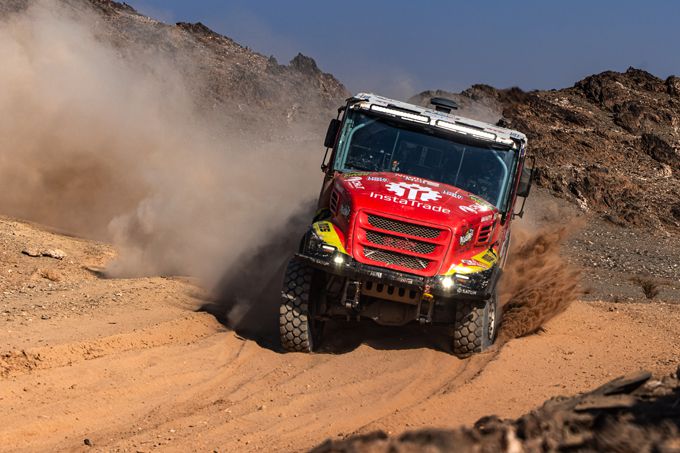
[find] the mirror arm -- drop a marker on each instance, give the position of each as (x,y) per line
(520,214)
(324,165)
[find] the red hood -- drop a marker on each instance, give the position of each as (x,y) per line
(415,198)
(408,223)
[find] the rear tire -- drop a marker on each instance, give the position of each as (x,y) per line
(299,331)
(476,326)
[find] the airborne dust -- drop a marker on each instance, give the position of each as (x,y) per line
(114,146)
(537,283)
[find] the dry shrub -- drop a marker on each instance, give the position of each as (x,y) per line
(649,287)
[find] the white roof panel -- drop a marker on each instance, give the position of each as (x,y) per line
(450,120)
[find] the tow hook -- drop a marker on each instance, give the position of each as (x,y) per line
(425,306)
(352,293)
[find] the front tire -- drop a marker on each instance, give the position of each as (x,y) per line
(299,331)
(476,326)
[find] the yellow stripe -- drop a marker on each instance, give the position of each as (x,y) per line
(487,258)
(327,233)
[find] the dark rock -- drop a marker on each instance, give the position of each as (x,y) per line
(623,415)
(675,211)
(197,28)
(305,65)
(673,86)
(659,150)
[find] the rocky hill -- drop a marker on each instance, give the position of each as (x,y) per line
(230,79)
(610,143)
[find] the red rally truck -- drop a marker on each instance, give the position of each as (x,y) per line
(413,224)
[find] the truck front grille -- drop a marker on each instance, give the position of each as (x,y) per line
(400,242)
(403,227)
(397,244)
(396,259)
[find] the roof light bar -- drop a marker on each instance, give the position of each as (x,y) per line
(466,130)
(400,114)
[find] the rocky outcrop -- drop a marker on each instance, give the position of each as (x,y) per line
(610,143)
(631,413)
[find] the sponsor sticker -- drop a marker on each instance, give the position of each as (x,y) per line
(413,191)
(452,194)
(489,257)
(467,237)
(481,201)
(355,182)
(474,208)
(420,180)
(376,179)
(407,202)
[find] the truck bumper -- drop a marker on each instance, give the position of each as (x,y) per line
(479,287)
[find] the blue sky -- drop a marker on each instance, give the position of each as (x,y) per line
(401,47)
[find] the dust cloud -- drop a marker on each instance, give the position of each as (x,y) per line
(538,283)
(247,298)
(106,146)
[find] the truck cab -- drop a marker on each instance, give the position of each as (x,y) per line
(413,224)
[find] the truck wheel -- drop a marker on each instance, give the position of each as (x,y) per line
(475,327)
(298,330)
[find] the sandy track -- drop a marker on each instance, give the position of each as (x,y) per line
(204,388)
(139,369)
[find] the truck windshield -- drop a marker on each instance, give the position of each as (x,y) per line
(373,144)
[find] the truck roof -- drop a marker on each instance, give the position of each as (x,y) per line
(447,121)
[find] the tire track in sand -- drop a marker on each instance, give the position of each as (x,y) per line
(189,328)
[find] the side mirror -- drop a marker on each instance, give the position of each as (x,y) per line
(524,186)
(332,133)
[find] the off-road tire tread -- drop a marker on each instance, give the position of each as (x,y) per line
(468,329)
(294,318)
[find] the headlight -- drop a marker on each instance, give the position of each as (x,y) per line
(445,282)
(339,259)
(461,284)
